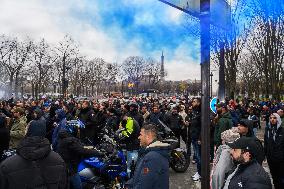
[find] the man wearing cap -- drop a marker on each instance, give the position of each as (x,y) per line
(17,132)
(248,173)
(274,150)
(245,128)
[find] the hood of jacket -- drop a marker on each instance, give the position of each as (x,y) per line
(227,115)
(61,114)
(159,147)
(33,148)
(279,121)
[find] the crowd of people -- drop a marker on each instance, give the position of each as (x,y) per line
(48,153)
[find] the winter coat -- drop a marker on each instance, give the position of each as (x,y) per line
(34,166)
(248,176)
(222,164)
(61,124)
(37,127)
(154,117)
(86,115)
(72,151)
(224,123)
(174,121)
(274,142)
(195,128)
(17,132)
(4,136)
(152,168)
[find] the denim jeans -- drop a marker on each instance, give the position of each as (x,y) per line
(197,150)
(131,156)
(75,182)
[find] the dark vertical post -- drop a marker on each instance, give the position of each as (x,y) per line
(221,93)
(63,79)
(205,82)
(211,85)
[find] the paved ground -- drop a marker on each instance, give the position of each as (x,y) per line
(184,180)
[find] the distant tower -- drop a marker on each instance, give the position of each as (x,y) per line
(162,67)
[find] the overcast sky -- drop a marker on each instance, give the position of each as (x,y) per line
(110,29)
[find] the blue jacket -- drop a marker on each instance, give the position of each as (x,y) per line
(152,168)
(61,123)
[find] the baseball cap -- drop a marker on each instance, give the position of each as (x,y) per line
(244,143)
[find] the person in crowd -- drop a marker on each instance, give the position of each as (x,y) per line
(265,115)
(37,127)
(187,136)
(58,125)
(145,112)
(35,166)
(86,115)
(112,122)
(274,150)
(133,112)
(223,162)
(128,135)
(72,151)
(68,111)
(253,117)
(175,122)
(152,168)
(196,135)
(155,116)
(18,128)
(280,112)
(248,173)
(224,123)
(4,134)
(245,128)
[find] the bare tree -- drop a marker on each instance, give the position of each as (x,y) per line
(134,68)
(66,53)
(266,44)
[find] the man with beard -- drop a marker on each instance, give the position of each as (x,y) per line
(274,150)
(248,173)
(245,128)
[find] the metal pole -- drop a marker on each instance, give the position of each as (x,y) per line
(205,80)
(221,94)
(211,85)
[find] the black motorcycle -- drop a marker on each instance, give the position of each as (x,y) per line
(178,158)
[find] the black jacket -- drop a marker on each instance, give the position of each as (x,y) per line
(4,139)
(34,166)
(274,149)
(72,151)
(250,176)
(155,117)
(195,128)
(174,121)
